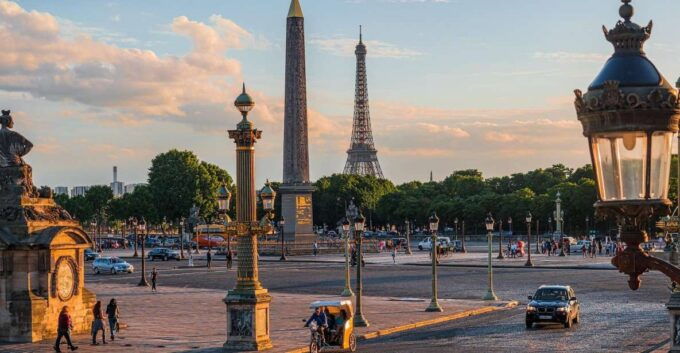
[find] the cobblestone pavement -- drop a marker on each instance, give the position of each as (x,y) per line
(194,320)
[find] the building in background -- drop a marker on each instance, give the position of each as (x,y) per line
(130,188)
(79,190)
(61,190)
(117,186)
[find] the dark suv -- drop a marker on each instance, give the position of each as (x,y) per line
(553,304)
(164,254)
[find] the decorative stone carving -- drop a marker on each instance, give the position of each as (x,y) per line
(13,145)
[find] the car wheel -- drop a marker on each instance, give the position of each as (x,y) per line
(113,271)
(96,270)
(567,324)
(165,258)
(420,247)
(352,342)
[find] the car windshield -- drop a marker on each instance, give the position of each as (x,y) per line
(117,261)
(551,294)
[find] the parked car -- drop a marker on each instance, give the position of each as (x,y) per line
(426,244)
(553,304)
(91,255)
(111,265)
(579,246)
(164,254)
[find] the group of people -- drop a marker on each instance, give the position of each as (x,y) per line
(65,324)
(515,249)
(330,327)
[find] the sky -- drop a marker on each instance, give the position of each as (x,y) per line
(453,84)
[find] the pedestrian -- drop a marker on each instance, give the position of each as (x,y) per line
(584,249)
(394,255)
(98,323)
(229,259)
(154,277)
(112,313)
(315,248)
(599,246)
(64,327)
(208,258)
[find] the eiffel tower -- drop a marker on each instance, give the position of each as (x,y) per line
(362,157)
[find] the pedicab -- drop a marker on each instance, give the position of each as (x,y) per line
(340,332)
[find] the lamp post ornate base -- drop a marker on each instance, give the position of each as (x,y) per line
(434,307)
(247,320)
(490,295)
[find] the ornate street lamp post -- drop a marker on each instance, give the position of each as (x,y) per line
(629,115)
(490,295)
(434,226)
(141,228)
(282,224)
(181,238)
(408,238)
(347,292)
(359,222)
(223,204)
(528,220)
(559,219)
(248,303)
(500,239)
(132,222)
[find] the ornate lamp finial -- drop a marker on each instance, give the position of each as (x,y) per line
(626,10)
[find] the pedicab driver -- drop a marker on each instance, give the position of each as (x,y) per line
(319,317)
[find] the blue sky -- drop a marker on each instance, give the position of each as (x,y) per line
(455,84)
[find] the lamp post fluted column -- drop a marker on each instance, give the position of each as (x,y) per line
(528,220)
(347,291)
(248,303)
(490,295)
(408,238)
(434,302)
(359,319)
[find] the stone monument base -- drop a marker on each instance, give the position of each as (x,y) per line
(247,320)
(296,209)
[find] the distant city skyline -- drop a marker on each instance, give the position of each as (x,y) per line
(454,84)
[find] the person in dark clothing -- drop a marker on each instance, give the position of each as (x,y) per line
(98,323)
(64,330)
(112,313)
(154,277)
(319,317)
(208,257)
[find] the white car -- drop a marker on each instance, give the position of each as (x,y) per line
(112,265)
(427,243)
(578,247)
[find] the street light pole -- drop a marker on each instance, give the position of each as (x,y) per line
(528,220)
(462,234)
(500,239)
(434,226)
(408,238)
(282,223)
(490,295)
(359,320)
(141,227)
(347,292)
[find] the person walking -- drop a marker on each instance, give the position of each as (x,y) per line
(98,324)
(154,277)
(584,249)
(64,327)
(394,255)
(315,248)
(208,258)
(112,313)
(230,259)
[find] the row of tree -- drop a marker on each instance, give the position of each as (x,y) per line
(178,180)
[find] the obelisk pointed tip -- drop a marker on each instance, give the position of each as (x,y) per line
(295,9)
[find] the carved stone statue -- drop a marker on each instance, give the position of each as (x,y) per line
(13,145)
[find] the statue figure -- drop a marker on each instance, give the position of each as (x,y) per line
(13,146)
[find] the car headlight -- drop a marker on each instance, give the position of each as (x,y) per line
(562,308)
(530,308)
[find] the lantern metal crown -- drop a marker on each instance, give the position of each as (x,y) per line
(629,116)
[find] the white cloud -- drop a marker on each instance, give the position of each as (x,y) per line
(569,57)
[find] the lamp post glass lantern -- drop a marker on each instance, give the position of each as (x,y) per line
(490,295)
(528,220)
(347,291)
(359,223)
(434,226)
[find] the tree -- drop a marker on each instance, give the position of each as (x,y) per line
(98,198)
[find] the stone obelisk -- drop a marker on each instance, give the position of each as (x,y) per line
(296,191)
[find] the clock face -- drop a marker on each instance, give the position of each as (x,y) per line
(66,279)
